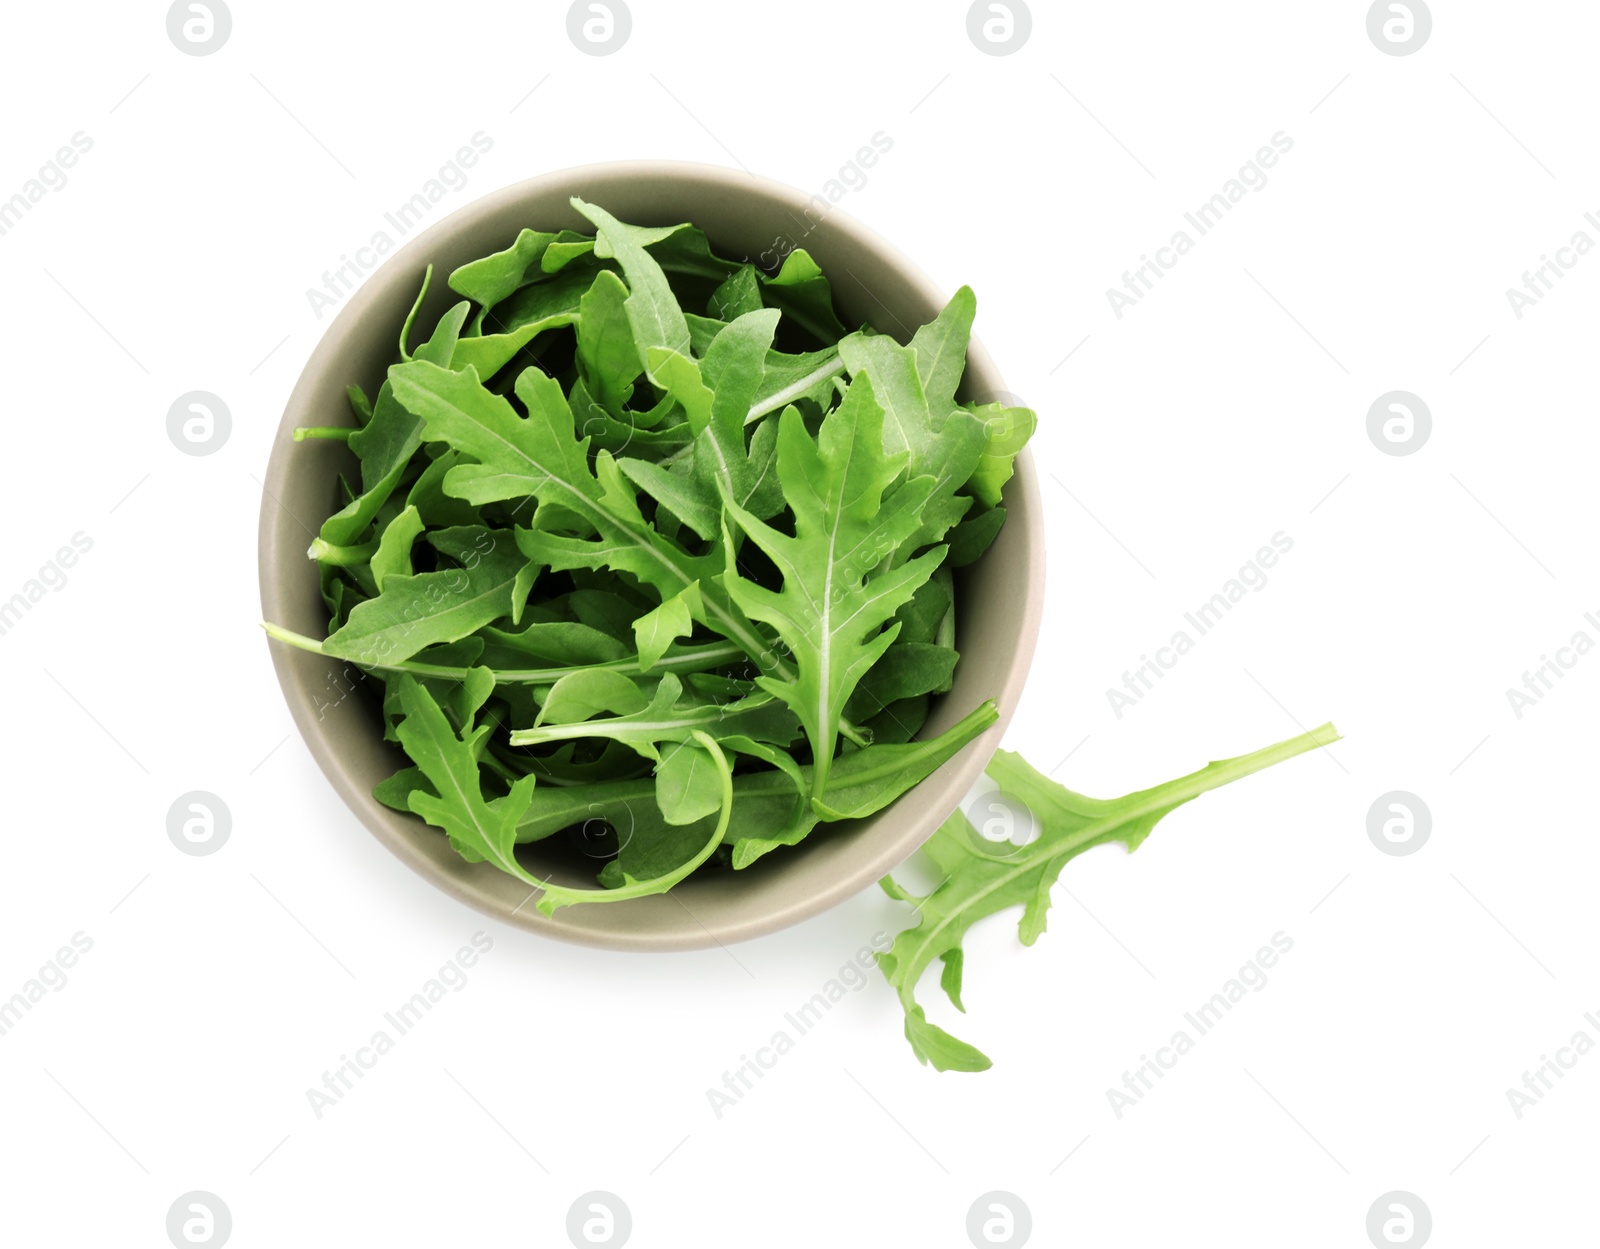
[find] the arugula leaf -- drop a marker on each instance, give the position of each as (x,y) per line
(834,601)
(739,293)
(716,395)
(568,643)
(480,830)
(982,878)
(906,670)
(1007,430)
(393,556)
(863,782)
(656,630)
(803,293)
(683,783)
(686,252)
(974,535)
(415,612)
(941,348)
(652,308)
(579,695)
(494,277)
(388,442)
(488,354)
(786,378)
(643,725)
(946,446)
(793,379)
(574,246)
(630,886)
(607,356)
(483,830)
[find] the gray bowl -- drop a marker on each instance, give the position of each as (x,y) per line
(999,600)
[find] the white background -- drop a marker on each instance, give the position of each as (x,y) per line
(1173,443)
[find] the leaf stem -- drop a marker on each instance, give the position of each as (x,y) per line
(333,432)
(795,389)
(341,556)
(411,317)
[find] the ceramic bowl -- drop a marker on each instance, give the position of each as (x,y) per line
(999,599)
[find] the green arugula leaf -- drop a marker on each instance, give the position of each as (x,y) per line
(786,378)
(834,602)
(795,379)
(803,293)
(1007,430)
(488,354)
(388,442)
(974,535)
(393,556)
(739,293)
(360,405)
(652,308)
(574,246)
(484,831)
(906,670)
(941,349)
(981,878)
(445,606)
(863,782)
(554,643)
(481,831)
(656,630)
(716,395)
(631,886)
(607,355)
(946,446)
(684,783)
(496,276)
(686,659)
(585,693)
(644,724)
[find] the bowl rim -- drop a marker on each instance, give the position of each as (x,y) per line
(951,781)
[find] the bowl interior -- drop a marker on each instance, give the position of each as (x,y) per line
(998,600)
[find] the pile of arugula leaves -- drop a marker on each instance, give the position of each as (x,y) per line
(649,551)
(647,544)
